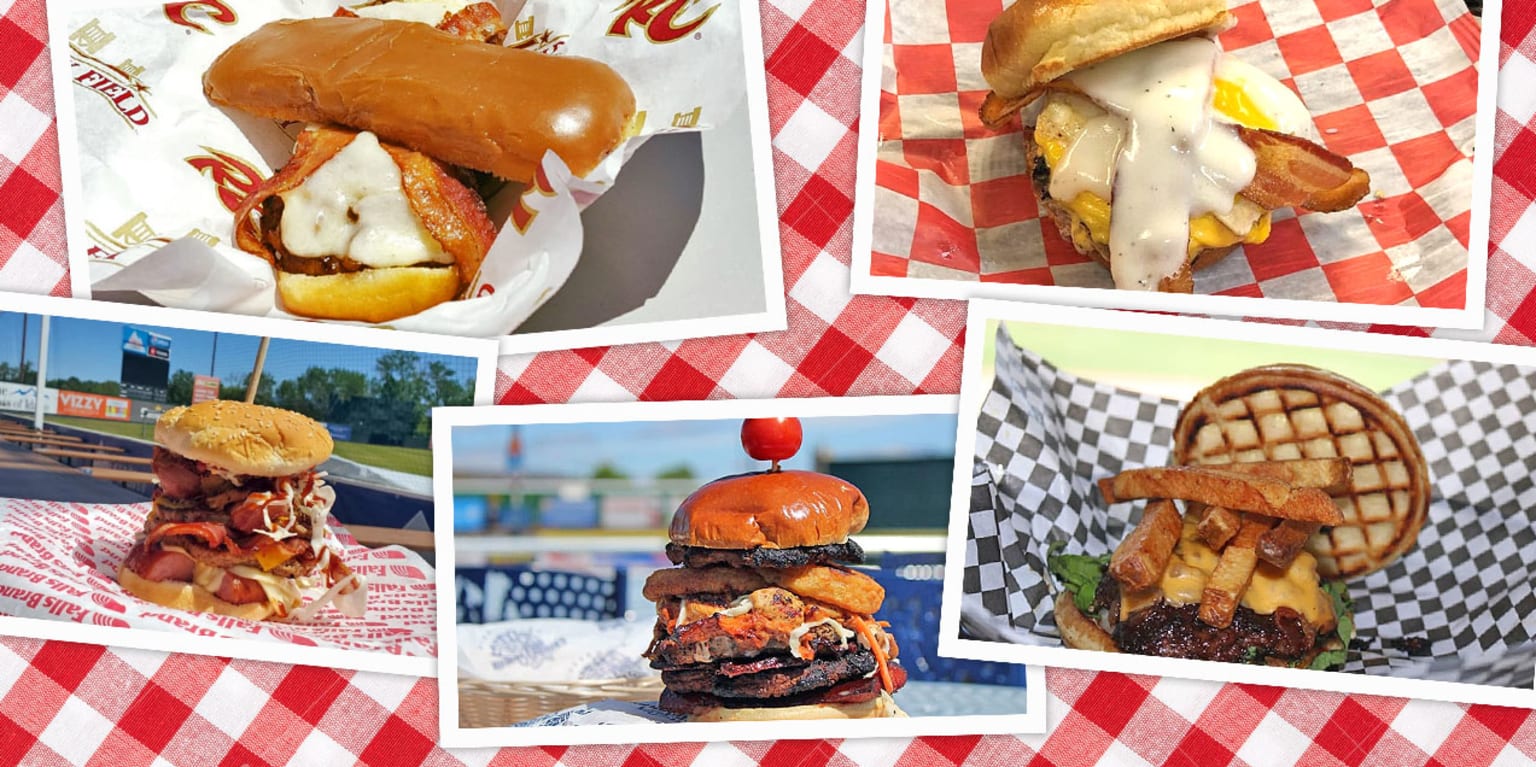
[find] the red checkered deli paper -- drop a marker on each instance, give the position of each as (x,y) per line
(161,170)
(59,561)
(1393,88)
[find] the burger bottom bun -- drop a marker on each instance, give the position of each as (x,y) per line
(181,595)
(371,295)
(882,707)
(1078,631)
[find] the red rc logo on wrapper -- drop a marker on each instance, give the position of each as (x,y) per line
(234,178)
(214,10)
(522,213)
(659,19)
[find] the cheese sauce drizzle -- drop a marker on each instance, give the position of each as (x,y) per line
(1175,161)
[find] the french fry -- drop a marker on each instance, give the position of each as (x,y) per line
(1220,487)
(1225,587)
(1327,474)
(1139,560)
(1280,545)
(1218,525)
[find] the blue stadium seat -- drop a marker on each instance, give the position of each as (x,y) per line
(490,594)
(912,608)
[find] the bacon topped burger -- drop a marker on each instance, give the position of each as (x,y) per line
(764,620)
(239,524)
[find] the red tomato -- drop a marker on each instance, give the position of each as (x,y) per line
(771,439)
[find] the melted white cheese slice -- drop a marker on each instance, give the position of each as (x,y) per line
(354,205)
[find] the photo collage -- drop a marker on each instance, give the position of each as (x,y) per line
(1044,382)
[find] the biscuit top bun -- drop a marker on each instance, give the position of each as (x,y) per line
(1035,42)
(245,439)
(776,510)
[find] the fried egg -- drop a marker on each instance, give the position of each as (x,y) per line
(1245,95)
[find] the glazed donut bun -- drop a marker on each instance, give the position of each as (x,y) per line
(461,101)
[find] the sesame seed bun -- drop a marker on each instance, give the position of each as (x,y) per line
(244,439)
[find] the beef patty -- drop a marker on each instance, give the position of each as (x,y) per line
(777,676)
(699,556)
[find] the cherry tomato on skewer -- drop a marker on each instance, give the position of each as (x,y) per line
(771,439)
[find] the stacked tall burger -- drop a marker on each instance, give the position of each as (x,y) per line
(240,523)
(763,620)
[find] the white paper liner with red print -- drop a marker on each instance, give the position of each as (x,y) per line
(162,170)
(59,561)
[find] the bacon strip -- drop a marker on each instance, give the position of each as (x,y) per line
(1296,173)
(213,533)
(315,148)
(481,21)
(451,212)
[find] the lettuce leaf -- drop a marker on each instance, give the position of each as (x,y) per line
(1344,608)
(1079,573)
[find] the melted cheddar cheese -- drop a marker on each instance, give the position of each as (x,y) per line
(1296,587)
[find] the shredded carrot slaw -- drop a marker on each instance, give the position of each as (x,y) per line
(862,626)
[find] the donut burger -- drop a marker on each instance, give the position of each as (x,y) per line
(375,216)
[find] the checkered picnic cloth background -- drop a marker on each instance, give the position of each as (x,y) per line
(1393,88)
(1043,436)
(63,703)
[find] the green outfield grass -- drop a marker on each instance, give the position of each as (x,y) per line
(411,460)
(144,431)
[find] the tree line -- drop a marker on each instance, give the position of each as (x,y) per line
(390,407)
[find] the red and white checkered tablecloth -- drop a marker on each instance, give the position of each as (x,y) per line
(71,704)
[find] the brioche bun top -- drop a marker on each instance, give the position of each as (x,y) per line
(245,439)
(776,510)
(1035,42)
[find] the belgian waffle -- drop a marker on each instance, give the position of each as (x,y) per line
(1281,412)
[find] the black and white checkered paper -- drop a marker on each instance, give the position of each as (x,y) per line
(1044,436)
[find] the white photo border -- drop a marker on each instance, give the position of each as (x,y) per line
(774,316)
(451,735)
(483,351)
(1469,317)
(973,391)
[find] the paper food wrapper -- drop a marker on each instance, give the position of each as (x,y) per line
(162,169)
(58,561)
(554,650)
(606,712)
(1391,86)
(1044,436)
